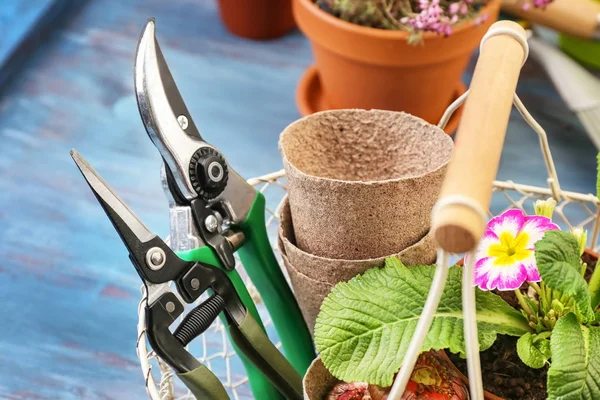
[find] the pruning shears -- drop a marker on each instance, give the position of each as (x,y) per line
(214,212)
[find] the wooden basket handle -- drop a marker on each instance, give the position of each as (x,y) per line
(580,18)
(459,217)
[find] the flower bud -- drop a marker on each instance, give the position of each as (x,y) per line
(545,208)
(581,236)
(558,307)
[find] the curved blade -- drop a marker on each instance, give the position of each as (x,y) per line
(163,111)
(119,213)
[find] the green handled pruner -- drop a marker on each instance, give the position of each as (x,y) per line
(158,266)
(213,213)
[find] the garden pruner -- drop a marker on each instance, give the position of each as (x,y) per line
(214,212)
(158,266)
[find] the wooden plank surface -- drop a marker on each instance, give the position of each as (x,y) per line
(24,25)
(68,292)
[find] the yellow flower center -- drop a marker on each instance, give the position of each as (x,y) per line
(510,249)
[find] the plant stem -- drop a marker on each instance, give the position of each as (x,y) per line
(536,287)
(594,287)
(583,268)
(523,302)
(544,335)
(389,15)
(543,296)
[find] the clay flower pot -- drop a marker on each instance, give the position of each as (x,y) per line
(257,19)
(362,67)
(313,277)
(362,184)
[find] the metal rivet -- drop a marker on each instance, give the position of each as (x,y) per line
(195,283)
(215,171)
(211,223)
(170,306)
(156,258)
(183,122)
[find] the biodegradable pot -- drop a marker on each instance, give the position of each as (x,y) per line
(309,292)
(362,184)
(313,277)
(257,19)
(318,381)
(332,271)
(362,67)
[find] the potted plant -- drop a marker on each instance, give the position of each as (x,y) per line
(537,311)
(257,19)
(398,55)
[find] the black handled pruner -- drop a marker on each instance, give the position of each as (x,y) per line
(159,268)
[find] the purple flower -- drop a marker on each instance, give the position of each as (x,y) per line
(505,257)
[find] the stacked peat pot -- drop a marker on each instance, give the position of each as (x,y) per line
(361,187)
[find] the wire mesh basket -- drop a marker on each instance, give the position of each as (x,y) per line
(573,210)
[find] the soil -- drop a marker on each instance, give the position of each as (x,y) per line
(591,265)
(505,375)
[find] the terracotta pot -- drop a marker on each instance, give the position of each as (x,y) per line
(368,68)
(257,19)
(362,184)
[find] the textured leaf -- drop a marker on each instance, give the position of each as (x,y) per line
(365,325)
(532,351)
(575,370)
(558,260)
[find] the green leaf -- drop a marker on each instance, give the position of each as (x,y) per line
(532,351)
(365,325)
(575,370)
(557,258)
(594,287)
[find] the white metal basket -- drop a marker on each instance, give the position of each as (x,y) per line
(213,348)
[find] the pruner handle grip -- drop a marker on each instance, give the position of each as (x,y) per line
(204,384)
(252,340)
(459,217)
(197,321)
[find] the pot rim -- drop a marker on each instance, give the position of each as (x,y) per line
(335,181)
(310,6)
(423,240)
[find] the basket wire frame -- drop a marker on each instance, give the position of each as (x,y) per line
(573,210)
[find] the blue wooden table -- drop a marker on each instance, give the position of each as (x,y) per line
(68,293)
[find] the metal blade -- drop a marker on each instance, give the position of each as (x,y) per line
(115,208)
(163,111)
